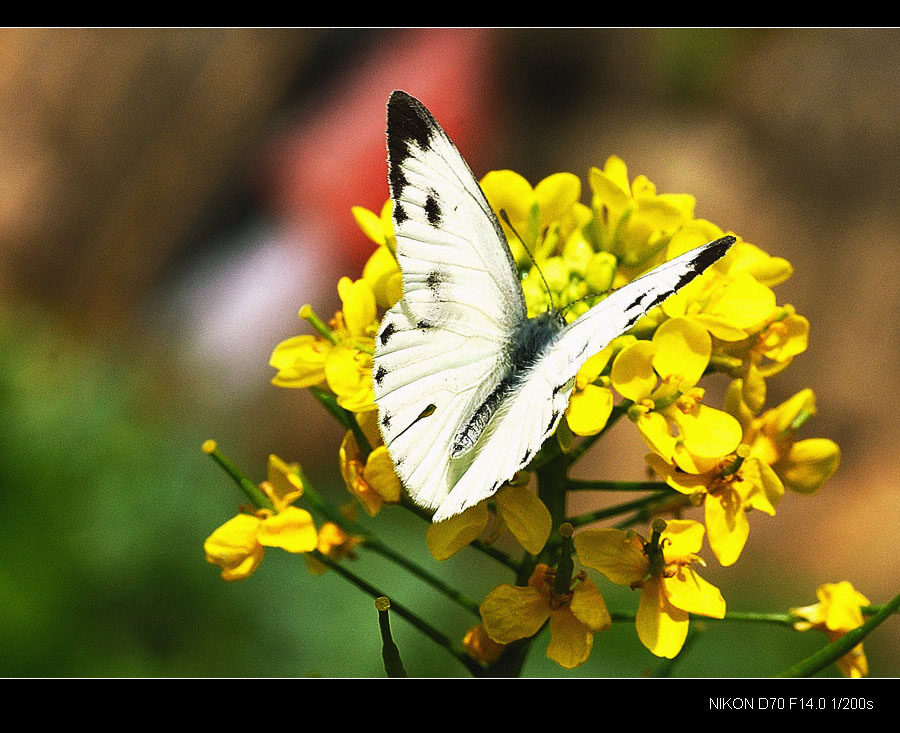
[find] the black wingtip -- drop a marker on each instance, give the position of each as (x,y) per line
(713,251)
(409,119)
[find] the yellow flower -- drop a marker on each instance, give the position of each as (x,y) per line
(728,487)
(543,216)
(659,376)
(838,611)
(590,404)
(755,475)
(340,357)
(661,568)
(300,361)
(512,612)
(372,480)
(383,274)
(238,546)
(766,353)
(802,465)
(517,509)
(633,222)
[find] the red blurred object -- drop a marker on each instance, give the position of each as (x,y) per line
(336,157)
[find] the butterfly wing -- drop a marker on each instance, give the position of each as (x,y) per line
(532,408)
(444,348)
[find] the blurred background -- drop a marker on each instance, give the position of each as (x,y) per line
(170,198)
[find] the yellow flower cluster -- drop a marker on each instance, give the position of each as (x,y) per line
(729,460)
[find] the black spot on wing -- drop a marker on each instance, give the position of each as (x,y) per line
(553,418)
(424,325)
(386,333)
(632,320)
(526,457)
(386,421)
(433,281)
(399,213)
(635,302)
(432,209)
(660,297)
(380,374)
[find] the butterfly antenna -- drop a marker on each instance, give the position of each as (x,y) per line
(590,295)
(508,223)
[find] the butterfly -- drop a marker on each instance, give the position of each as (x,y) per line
(467,386)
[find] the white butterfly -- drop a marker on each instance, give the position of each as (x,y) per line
(467,386)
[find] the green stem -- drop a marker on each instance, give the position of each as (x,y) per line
(776,619)
(390,654)
(644,502)
(837,649)
(454,648)
(579,485)
(551,483)
(344,417)
(309,315)
(250,489)
(670,502)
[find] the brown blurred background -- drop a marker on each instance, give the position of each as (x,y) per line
(170,198)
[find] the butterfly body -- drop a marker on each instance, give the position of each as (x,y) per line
(467,386)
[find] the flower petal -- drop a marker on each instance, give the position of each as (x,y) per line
(381,476)
(809,463)
(358,305)
(661,627)
(526,516)
(689,592)
(683,348)
(291,529)
(370,223)
(589,409)
(570,640)
(512,612)
(708,432)
(234,547)
(446,538)
(683,537)
(300,361)
(285,483)
(556,195)
(632,371)
(589,607)
(727,525)
(618,555)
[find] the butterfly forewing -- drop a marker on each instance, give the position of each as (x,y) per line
(539,396)
(444,347)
